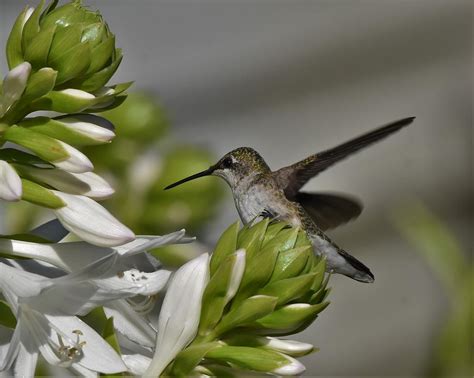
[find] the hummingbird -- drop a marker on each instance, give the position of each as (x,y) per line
(261,193)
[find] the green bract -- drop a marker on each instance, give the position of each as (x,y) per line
(265,281)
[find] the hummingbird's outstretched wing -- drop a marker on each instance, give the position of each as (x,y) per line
(293,177)
(329,210)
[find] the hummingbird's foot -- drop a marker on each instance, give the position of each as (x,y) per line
(268,214)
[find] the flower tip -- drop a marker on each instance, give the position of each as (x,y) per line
(77,161)
(294,367)
(10,183)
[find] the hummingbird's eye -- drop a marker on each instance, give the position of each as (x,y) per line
(227,162)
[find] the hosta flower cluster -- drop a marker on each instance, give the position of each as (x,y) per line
(60,60)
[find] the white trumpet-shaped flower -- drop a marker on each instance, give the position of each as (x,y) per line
(91,222)
(10,183)
(180,313)
(14,85)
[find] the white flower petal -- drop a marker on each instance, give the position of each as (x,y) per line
(25,364)
(92,126)
(10,183)
(146,242)
(130,324)
(237,274)
(291,347)
(14,84)
(78,94)
(91,222)
(21,283)
(136,363)
(88,184)
(180,313)
(9,346)
(77,162)
(294,367)
(53,231)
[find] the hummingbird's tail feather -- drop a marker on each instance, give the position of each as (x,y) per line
(363,273)
(338,260)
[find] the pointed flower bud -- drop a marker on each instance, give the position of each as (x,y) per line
(10,183)
(74,129)
(13,86)
(55,151)
(179,316)
(91,222)
(87,184)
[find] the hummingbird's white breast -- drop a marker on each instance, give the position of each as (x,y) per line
(253,199)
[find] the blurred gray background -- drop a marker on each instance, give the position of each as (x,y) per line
(290,78)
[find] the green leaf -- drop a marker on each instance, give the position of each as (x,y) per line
(273,229)
(45,147)
(190,357)
(251,239)
(226,246)
(257,273)
(12,155)
(39,84)
(110,104)
(288,319)
(288,289)
(285,239)
(249,358)
(14,50)
(290,263)
(248,311)
(216,295)
(65,39)
(435,242)
(37,51)
(31,28)
(101,54)
(99,79)
(318,270)
(109,334)
(73,64)
(7,319)
(35,193)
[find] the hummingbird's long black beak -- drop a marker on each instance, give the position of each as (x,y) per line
(207,172)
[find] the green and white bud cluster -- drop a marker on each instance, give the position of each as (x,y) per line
(60,59)
(263,282)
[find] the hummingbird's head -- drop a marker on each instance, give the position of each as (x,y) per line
(233,167)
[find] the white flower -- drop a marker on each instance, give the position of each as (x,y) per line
(93,127)
(91,222)
(180,313)
(10,183)
(87,184)
(77,162)
(42,325)
(13,86)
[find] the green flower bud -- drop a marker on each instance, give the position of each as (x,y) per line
(71,39)
(257,360)
(279,290)
(37,194)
